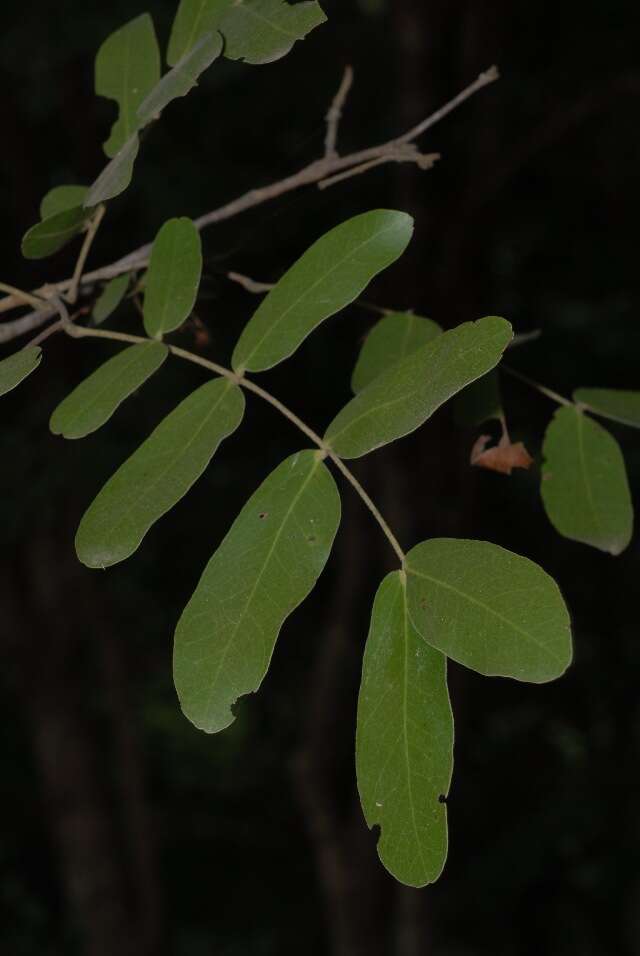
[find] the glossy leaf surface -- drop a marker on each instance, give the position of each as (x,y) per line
(110,298)
(616,404)
(173,277)
(404,744)
(193,19)
(584,482)
(489,609)
(158,474)
(61,198)
(329,276)
(392,338)
(116,176)
(15,368)
(265,567)
(399,400)
(95,400)
(127,69)
(51,234)
(182,78)
(261,31)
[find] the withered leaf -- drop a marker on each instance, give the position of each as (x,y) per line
(503,457)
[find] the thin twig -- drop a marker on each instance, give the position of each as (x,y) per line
(250,285)
(401,155)
(25,324)
(23,298)
(314,173)
(94,225)
(334,115)
(548,392)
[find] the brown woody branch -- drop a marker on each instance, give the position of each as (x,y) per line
(329,170)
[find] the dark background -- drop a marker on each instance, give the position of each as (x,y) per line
(124,830)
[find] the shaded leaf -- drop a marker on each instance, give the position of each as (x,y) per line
(404,743)
(193,19)
(489,609)
(116,176)
(127,69)
(158,474)
(61,198)
(110,298)
(173,277)
(182,78)
(261,31)
(53,233)
(15,368)
(95,400)
(265,567)
(392,338)
(479,402)
(584,482)
(330,275)
(616,404)
(399,400)
(503,457)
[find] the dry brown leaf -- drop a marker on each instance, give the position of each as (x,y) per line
(503,457)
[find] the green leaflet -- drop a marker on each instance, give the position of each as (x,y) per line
(116,176)
(330,275)
(158,474)
(95,400)
(261,31)
(193,19)
(61,198)
(127,69)
(584,482)
(110,298)
(479,402)
(404,743)
(493,611)
(173,277)
(15,368)
(392,338)
(182,78)
(53,233)
(399,400)
(616,404)
(265,567)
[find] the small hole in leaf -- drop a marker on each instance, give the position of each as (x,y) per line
(263,515)
(442,798)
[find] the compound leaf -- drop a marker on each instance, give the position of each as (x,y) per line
(158,474)
(127,69)
(61,198)
(616,404)
(489,609)
(193,19)
(399,400)
(265,567)
(391,339)
(182,78)
(96,399)
(404,743)
(261,31)
(584,482)
(110,298)
(173,277)
(330,275)
(54,232)
(116,176)
(15,368)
